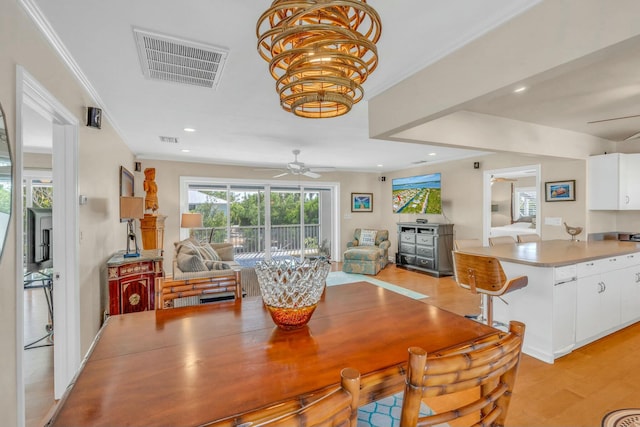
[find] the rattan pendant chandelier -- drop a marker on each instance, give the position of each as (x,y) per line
(319,52)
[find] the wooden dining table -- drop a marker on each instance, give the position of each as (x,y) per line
(192,365)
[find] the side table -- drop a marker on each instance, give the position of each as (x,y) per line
(132,281)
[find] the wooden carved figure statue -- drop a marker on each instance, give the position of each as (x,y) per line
(150,186)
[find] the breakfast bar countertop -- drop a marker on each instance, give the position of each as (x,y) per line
(555,253)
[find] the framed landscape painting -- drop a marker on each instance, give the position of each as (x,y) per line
(361,202)
(560,191)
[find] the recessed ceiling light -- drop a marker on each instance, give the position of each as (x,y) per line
(184,150)
(189,130)
(520,89)
(432,154)
(379,166)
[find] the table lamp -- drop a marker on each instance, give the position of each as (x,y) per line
(130,209)
(191,220)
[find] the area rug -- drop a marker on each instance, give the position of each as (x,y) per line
(622,418)
(340,278)
(386,412)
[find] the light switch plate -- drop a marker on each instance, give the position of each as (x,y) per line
(550,220)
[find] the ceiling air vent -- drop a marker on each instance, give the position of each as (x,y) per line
(169,139)
(171,59)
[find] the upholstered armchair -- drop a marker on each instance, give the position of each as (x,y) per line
(368,252)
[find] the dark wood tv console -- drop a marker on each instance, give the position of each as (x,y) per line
(425,247)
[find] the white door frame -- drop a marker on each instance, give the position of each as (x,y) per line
(486,199)
(66,289)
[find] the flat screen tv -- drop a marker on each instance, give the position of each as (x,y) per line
(39,239)
(417,194)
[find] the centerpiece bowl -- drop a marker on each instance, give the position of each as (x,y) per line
(291,289)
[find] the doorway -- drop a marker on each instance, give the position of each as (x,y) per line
(511,202)
(64,232)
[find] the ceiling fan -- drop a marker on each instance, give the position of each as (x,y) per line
(634,136)
(299,168)
(502,179)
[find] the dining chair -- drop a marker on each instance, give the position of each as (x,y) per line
(466,243)
(484,275)
(333,406)
(501,240)
(489,367)
(531,237)
(198,290)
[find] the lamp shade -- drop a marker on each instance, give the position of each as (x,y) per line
(131,207)
(191,220)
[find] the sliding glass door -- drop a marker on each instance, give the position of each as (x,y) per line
(263,221)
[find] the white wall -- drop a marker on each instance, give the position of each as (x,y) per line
(168,180)
(462,194)
(101,153)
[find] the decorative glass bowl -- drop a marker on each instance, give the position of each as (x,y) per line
(291,289)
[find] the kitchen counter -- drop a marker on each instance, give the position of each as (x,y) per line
(555,253)
(578,292)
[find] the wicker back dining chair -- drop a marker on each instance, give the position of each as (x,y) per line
(169,290)
(501,240)
(490,367)
(335,406)
(484,275)
(530,237)
(466,243)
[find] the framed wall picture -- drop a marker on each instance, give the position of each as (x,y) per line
(126,185)
(126,182)
(361,202)
(560,191)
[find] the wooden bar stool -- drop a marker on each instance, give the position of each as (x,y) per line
(484,275)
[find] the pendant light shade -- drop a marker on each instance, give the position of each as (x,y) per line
(319,52)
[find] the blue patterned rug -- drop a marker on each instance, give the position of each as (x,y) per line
(340,278)
(386,412)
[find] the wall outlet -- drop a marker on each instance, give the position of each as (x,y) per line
(550,220)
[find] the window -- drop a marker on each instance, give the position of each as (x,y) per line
(526,200)
(263,221)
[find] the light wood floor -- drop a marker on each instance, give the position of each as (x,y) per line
(577,390)
(38,362)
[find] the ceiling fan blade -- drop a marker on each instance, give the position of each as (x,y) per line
(634,136)
(614,118)
(312,174)
(323,169)
(282,174)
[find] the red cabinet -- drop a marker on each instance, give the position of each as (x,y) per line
(132,281)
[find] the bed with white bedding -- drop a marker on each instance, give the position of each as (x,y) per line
(513,230)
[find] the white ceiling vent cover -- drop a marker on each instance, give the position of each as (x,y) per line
(171,59)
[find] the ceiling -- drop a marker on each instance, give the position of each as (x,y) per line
(596,88)
(241,121)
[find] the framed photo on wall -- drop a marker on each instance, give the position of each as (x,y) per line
(560,191)
(361,202)
(126,183)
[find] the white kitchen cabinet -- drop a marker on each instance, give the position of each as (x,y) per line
(612,183)
(630,295)
(598,305)
(598,296)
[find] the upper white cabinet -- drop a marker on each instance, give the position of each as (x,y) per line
(613,182)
